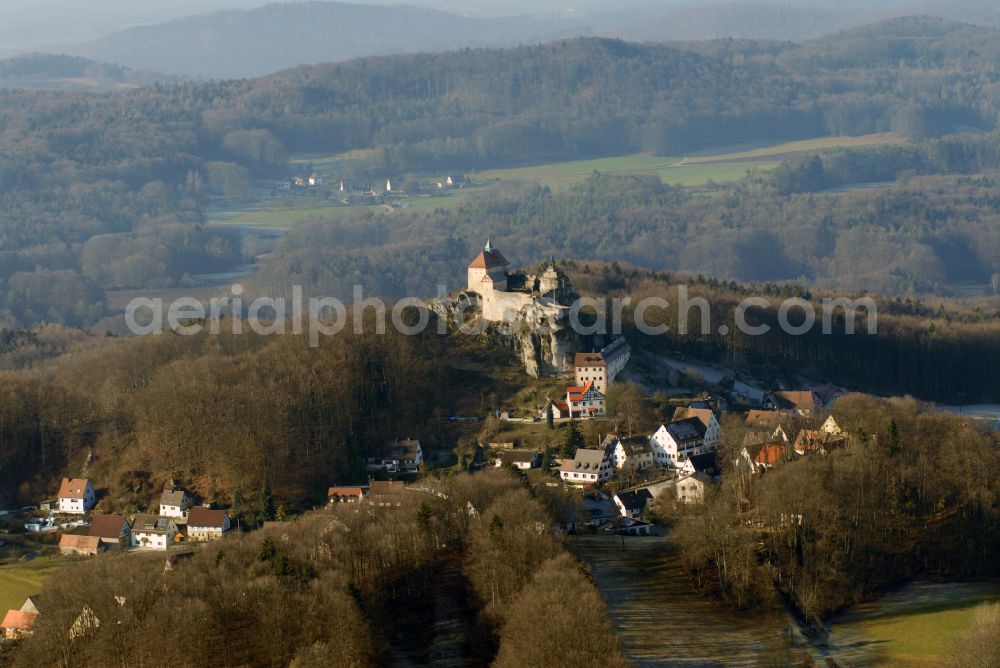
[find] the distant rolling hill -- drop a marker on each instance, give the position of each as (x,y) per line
(735,20)
(60,72)
(234,44)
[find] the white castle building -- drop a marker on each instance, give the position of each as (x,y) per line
(506,295)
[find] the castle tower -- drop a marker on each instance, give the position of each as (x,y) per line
(487,272)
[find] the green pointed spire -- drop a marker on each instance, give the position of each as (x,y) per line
(489,245)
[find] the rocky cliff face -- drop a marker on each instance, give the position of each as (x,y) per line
(538,335)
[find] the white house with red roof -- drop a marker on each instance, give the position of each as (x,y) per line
(585,401)
(76,496)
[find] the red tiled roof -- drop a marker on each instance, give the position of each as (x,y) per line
(79,542)
(770,454)
(703,414)
(206,517)
(577,392)
(344,491)
(21,621)
(768,418)
(589,359)
(489,260)
(107,526)
(386,487)
(72,488)
(797,398)
(809,440)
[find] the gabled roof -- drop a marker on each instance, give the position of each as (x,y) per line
(756,418)
(80,542)
(386,487)
(788,399)
(688,429)
(587,459)
(576,393)
(206,517)
(635,500)
(345,492)
(18,620)
(517,456)
(589,359)
(406,449)
(815,440)
(706,463)
(636,445)
(175,497)
(490,258)
(73,488)
(704,414)
(152,524)
(106,526)
(770,454)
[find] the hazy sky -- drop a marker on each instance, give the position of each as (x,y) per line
(27,24)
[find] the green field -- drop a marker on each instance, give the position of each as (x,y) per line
(17,582)
(913,627)
(764,151)
(720,165)
(723,164)
(276,217)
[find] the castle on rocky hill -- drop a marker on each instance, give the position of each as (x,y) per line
(505,296)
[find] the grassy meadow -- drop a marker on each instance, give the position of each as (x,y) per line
(912,627)
(720,165)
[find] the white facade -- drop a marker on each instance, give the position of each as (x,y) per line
(616,358)
(632,457)
(589,467)
(76,496)
(152,532)
(670,450)
(585,402)
(691,489)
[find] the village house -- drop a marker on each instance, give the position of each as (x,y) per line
(72,543)
(559,410)
(17,624)
(153,532)
(797,402)
(713,430)
(112,530)
(830,426)
(585,402)
(630,454)
(384,494)
(769,455)
(345,495)
(175,501)
(633,504)
(76,496)
(817,441)
(590,466)
(519,459)
(603,367)
(207,524)
(691,488)
(757,419)
(706,464)
(673,443)
(829,393)
(398,457)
